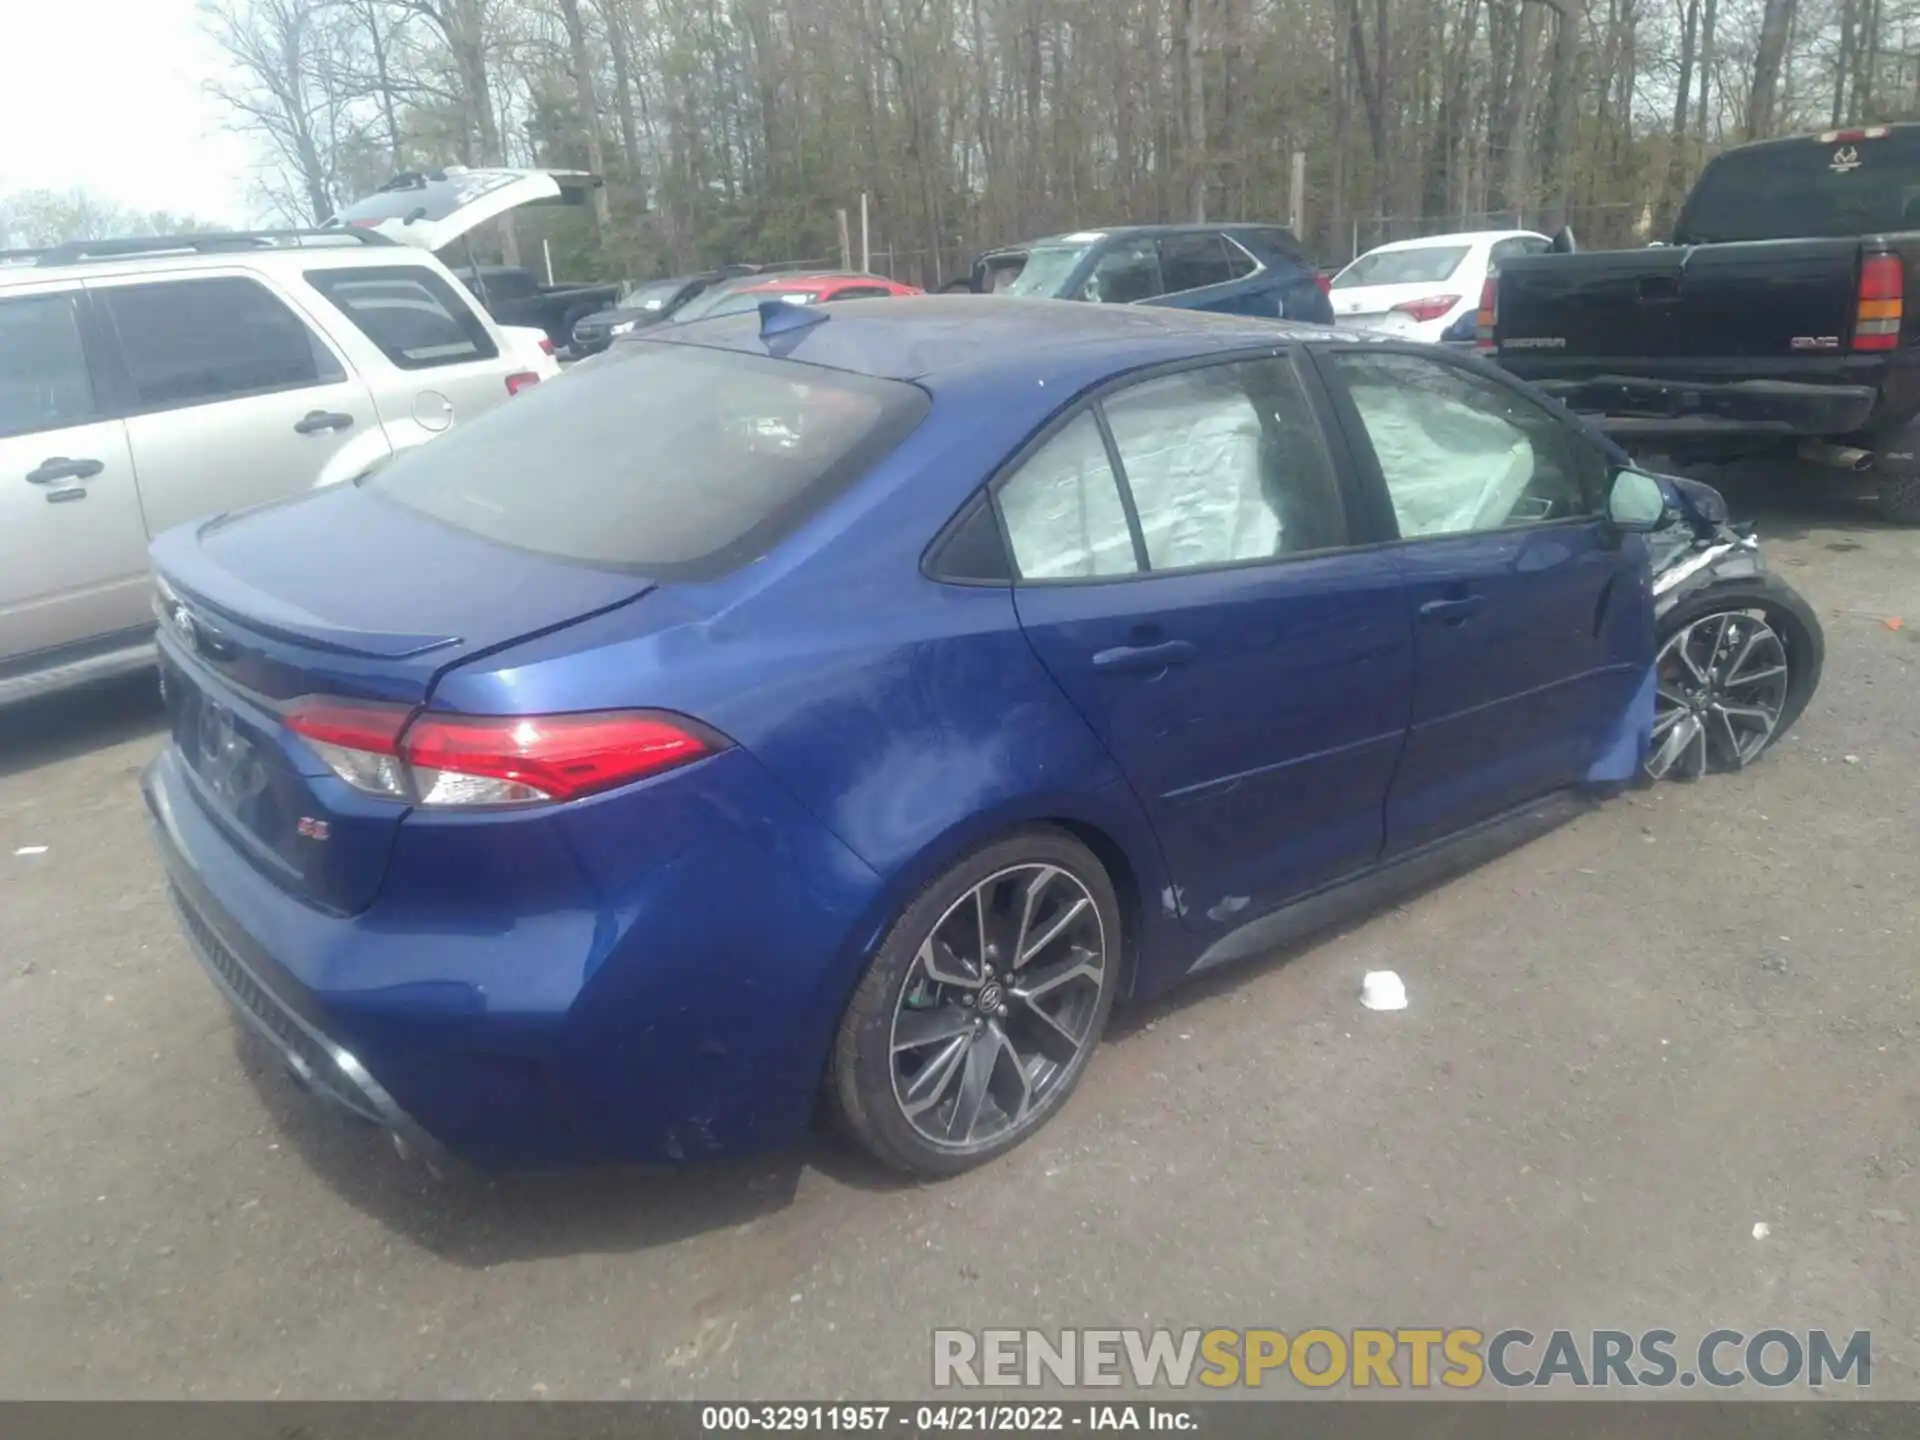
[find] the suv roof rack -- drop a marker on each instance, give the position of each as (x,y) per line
(75,252)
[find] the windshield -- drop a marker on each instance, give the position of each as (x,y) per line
(650,295)
(1805,189)
(1048,267)
(723,299)
(1422,265)
(738,302)
(660,458)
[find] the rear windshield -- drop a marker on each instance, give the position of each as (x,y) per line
(1804,189)
(673,460)
(1422,266)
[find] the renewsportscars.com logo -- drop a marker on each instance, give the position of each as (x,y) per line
(1416,1359)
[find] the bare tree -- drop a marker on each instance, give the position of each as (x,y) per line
(1776,23)
(285,85)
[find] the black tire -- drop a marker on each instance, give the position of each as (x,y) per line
(1899,498)
(861,1078)
(1786,613)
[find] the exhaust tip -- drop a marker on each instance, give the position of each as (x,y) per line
(1841,457)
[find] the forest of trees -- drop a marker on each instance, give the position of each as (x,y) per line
(735,129)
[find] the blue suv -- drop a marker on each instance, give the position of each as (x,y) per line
(1235,269)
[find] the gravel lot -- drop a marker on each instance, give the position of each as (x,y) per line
(1689,1012)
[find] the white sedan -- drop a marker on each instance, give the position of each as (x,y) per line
(1418,289)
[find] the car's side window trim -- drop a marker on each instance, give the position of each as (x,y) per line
(1219,235)
(1371,478)
(1131,508)
(1259,265)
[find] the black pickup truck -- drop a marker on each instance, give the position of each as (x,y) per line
(1773,322)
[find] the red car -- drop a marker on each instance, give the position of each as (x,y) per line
(746,293)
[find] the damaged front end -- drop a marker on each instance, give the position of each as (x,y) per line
(1740,651)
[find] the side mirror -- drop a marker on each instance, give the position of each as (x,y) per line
(1563,242)
(1637,501)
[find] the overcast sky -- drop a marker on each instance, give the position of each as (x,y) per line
(109,94)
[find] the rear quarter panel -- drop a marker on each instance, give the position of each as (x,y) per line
(909,716)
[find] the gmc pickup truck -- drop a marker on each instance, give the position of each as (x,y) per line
(1773,322)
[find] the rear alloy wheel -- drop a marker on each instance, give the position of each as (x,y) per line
(1724,680)
(982,1006)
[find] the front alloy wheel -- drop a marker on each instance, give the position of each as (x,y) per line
(1723,684)
(978,1013)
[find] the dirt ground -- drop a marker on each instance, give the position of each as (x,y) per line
(1685,1014)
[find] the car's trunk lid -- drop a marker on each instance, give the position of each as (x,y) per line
(343,595)
(430,209)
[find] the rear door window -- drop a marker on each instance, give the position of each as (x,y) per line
(1188,262)
(44,383)
(1226,465)
(671,460)
(193,342)
(409,312)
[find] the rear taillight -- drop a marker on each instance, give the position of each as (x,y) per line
(1431,307)
(546,345)
(1489,315)
(1324,281)
(467,760)
(522,380)
(1876,316)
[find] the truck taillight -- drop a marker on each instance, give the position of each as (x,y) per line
(1429,307)
(521,380)
(1324,281)
(1876,316)
(1489,315)
(467,760)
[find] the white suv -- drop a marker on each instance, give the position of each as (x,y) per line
(146,383)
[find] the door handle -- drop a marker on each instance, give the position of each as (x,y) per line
(1452,612)
(315,421)
(59,467)
(1146,657)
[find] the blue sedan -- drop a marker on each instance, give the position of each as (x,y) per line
(857,703)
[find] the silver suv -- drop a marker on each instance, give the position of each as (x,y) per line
(146,383)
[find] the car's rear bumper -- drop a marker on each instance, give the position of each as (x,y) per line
(1632,401)
(652,984)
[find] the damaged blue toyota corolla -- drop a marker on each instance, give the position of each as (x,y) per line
(853,703)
